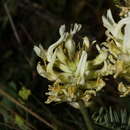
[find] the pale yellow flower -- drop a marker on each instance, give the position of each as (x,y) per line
(75,77)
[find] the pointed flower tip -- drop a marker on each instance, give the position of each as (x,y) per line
(70,46)
(86,42)
(36,50)
(40,70)
(62,29)
(75,29)
(40,51)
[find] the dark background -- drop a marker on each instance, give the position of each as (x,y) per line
(25,23)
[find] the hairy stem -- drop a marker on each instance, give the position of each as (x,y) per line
(84,113)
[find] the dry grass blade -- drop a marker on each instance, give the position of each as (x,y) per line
(25,108)
(12,24)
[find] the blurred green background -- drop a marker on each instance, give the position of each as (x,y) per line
(23,24)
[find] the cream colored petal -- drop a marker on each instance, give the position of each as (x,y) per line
(74,104)
(122,88)
(48,72)
(117,32)
(37,50)
(61,56)
(50,65)
(109,25)
(62,30)
(110,17)
(70,46)
(64,68)
(81,67)
(41,70)
(86,42)
(126,42)
(100,58)
(52,99)
(40,51)
(76,28)
(82,64)
(52,48)
(95,84)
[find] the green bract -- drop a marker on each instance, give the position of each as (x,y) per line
(75,74)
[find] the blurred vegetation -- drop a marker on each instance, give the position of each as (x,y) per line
(22,91)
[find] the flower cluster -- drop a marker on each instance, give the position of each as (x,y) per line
(118,45)
(77,74)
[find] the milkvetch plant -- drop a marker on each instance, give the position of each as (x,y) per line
(76,76)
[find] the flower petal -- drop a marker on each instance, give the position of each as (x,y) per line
(100,58)
(126,42)
(70,46)
(76,28)
(82,63)
(42,72)
(40,51)
(52,48)
(62,30)
(80,72)
(60,55)
(109,22)
(86,43)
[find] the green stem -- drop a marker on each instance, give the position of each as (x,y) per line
(84,113)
